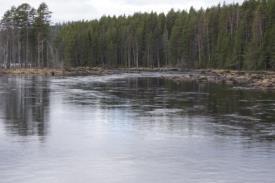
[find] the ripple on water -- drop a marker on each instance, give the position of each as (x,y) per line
(134,128)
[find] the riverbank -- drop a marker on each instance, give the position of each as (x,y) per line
(264,80)
(79,71)
(249,79)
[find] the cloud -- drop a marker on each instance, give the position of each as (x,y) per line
(68,10)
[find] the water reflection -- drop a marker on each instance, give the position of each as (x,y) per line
(222,110)
(135,129)
(24,104)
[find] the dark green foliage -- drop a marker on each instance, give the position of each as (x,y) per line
(225,36)
(229,36)
(25,36)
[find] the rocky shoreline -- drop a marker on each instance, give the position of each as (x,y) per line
(249,79)
(264,80)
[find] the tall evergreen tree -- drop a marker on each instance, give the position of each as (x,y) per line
(234,36)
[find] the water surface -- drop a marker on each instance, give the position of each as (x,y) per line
(134,128)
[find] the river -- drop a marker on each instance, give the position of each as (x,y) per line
(134,128)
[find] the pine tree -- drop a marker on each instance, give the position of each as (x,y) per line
(41,26)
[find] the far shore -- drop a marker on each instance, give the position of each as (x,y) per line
(52,71)
(264,80)
(78,71)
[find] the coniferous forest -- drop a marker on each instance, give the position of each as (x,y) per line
(234,36)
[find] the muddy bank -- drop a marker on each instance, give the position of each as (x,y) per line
(80,71)
(254,80)
(26,71)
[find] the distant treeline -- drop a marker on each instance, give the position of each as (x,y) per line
(24,37)
(225,36)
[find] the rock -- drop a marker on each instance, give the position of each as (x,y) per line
(256,76)
(229,82)
(265,81)
(202,78)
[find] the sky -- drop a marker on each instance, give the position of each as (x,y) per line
(72,10)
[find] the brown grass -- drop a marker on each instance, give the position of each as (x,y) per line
(32,71)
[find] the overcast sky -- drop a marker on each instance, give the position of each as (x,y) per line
(67,10)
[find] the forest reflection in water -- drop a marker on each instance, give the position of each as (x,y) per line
(25,105)
(227,111)
(137,128)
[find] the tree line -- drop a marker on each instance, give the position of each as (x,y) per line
(24,37)
(228,36)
